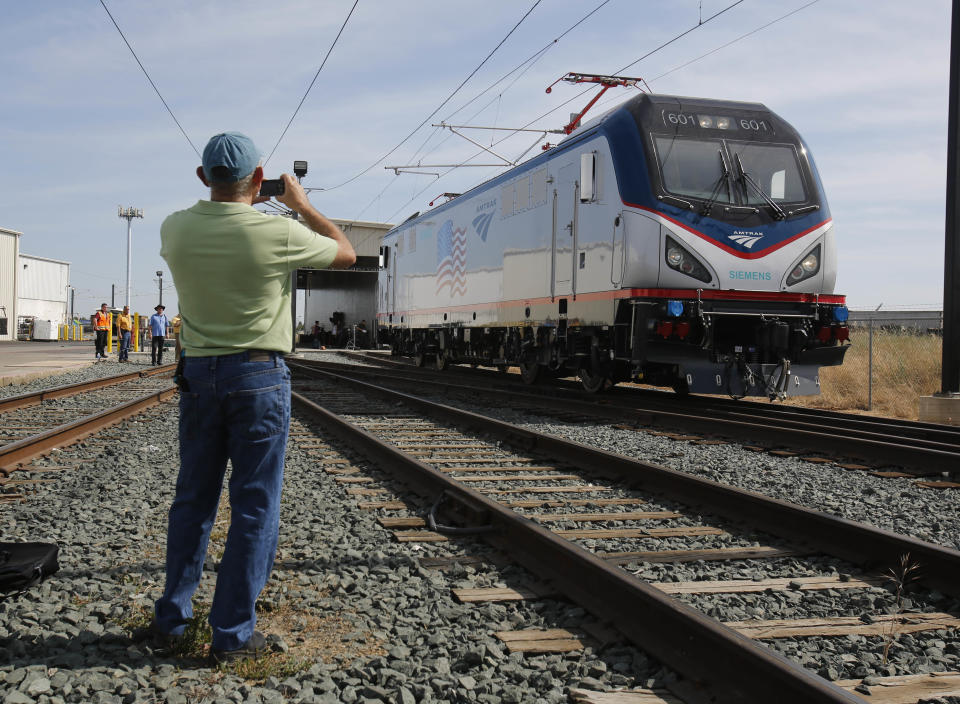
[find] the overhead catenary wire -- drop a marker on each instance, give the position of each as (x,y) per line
(719,48)
(584,92)
(439,107)
(734,41)
(525,65)
(145,73)
(315,76)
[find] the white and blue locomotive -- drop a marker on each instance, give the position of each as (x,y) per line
(675,241)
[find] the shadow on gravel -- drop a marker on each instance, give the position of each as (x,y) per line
(88,650)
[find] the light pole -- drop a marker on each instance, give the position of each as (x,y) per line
(160,287)
(129,214)
(300,169)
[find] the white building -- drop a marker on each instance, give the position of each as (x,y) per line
(42,288)
(31,288)
(9,256)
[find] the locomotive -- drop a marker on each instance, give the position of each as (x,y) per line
(673,241)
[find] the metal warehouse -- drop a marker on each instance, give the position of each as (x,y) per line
(42,286)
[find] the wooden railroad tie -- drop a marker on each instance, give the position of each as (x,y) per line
(880,625)
(658,556)
(547,490)
(594,517)
(363,491)
(481,470)
(681,531)
(532,591)
(623,696)
(891,475)
(938,485)
(906,688)
(739,586)
(388,505)
(553,503)
(512,460)
(521,478)
(558,640)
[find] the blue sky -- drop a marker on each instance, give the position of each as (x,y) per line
(82,131)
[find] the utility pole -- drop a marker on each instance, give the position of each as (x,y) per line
(129,214)
(950,382)
(944,407)
(113,295)
(160,287)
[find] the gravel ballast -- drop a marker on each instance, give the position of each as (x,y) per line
(358,618)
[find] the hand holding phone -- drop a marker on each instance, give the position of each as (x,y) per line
(271,187)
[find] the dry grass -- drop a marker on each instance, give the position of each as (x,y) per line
(906,366)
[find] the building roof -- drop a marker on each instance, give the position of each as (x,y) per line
(43,259)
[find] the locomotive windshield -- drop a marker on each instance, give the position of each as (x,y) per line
(721,171)
(733,161)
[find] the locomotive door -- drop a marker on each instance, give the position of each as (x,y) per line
(564,229)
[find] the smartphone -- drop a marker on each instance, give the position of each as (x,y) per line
(271,187)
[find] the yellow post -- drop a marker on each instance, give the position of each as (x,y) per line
(135,334)
(109,333)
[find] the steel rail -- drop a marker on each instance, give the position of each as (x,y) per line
(16,453)
(32,399)
(674,402)
(720,664)
(856,542)
(923,457)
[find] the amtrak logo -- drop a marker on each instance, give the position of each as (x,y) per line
(481,224)
(745,238)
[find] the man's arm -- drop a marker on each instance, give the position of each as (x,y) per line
(295,198)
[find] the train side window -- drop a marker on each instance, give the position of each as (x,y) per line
(506,200)
(588,177)
(384,257)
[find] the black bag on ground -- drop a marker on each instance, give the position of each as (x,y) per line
(24,564)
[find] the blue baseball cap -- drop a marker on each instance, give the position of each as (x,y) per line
(233,152)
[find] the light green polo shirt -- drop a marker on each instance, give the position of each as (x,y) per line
(231,266)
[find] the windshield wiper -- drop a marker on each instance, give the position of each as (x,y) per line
(724,180)
(778,213)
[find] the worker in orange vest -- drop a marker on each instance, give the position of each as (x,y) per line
(101,326)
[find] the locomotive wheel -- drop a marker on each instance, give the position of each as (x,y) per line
(502,368)
(680,387)
(594,383)
(529,372)
(441,361)
(419,358)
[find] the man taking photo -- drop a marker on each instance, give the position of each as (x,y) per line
(231,267)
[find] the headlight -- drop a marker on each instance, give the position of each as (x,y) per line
(679,259)
(807,267)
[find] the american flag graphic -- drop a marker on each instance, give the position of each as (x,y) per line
(452,259)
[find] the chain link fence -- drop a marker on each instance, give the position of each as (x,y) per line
(892,362)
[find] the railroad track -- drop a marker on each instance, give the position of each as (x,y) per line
(31,425)
(540,499)
(919,449)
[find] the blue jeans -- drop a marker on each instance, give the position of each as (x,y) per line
(234,409)
(124,346)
